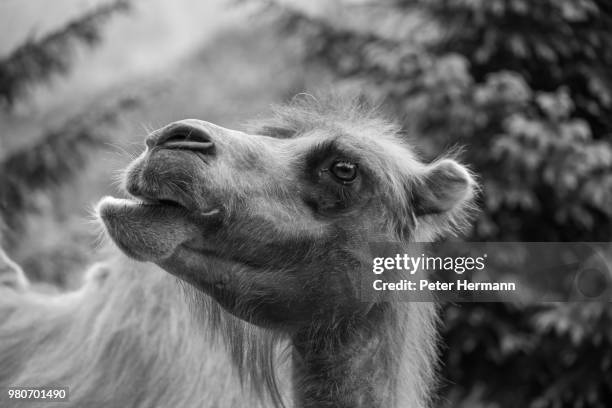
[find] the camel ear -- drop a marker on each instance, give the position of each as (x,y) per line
(446,185)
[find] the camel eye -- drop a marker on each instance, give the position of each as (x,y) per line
(344,171)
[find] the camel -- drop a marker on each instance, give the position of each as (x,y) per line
(235,285)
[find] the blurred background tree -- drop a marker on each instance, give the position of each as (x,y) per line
(38,163)
(37,60)
(52,157)
(526,88)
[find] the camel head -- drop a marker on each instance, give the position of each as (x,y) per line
(274,223)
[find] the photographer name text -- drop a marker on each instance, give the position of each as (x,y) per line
(439,286)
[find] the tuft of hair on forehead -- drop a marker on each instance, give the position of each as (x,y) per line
(306,112)
(394,155)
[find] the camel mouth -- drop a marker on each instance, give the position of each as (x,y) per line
(117,213)
(150,230)
(159,202)
(152,200)
(133,206)
(134,203)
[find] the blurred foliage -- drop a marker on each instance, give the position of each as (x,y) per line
(526,87)
(55,155)
(36,61)
(52,160)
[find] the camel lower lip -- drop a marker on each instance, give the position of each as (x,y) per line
(128,203)
(129,208)
(145,231)
(134,203)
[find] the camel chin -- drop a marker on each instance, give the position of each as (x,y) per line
(145,231)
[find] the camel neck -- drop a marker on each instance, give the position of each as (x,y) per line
(347,365)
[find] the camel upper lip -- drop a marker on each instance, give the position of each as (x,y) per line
(142,195)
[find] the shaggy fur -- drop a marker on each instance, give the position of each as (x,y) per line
(135,336)
(125,341)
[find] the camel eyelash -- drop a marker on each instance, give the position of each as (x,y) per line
(327,152)
(320,153)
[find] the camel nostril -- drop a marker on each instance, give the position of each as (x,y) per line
(186,137)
